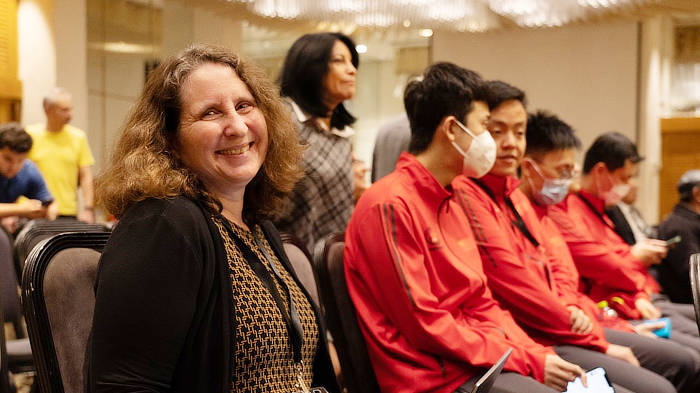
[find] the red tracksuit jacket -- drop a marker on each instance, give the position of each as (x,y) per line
(415,277)
(566,274)
(521,273)
(607,267)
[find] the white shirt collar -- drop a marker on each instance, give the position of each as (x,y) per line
(304,117)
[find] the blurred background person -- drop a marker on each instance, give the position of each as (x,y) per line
(19,177)
(63,156)
(684,221)
(317,77)
(629,223)
(194,291)
(392,139)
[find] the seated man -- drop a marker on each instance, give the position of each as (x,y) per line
(611,270)
(20,177)
(412,267)
(684,221)
(520,270)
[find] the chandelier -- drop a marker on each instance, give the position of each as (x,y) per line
(462,15)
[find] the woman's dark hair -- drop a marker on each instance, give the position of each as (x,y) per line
(446,89)
(15,138)
(304,70)
(613,149)
(546,133)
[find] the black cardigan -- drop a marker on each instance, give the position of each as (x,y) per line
(165,325)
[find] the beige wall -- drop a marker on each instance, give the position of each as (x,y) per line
(585,74)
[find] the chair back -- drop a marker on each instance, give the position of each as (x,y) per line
(300,259)
(4,371)
(40,229)
(695,284)
(341,319)
(59,300)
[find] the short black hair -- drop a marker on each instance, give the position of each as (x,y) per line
(15,138)
(305,67)
(500,92)
(546,133)
(612,149)
(446,89)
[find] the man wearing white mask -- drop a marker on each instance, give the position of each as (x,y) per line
(413,269)
(611,270)
(520,270)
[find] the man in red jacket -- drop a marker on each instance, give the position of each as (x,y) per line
(522,273)
(546,173)
(610,269)
(412,267)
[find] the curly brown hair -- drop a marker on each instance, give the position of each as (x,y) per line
(146,162)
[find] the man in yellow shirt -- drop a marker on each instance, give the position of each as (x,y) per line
(63,156)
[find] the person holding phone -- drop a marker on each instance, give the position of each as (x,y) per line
(19,177)
(681,229)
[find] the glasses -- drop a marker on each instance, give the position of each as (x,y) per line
(564,174)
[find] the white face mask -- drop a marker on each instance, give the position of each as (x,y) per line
(616,193)
(479,158)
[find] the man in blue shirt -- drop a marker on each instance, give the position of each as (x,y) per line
(20,177)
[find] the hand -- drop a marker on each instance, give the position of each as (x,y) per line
(359,169)
(558,373)
(10,223)
(33,209)
(622,353)
(650,251)
(648,310)
(87,215)
(647,328)
(580,323)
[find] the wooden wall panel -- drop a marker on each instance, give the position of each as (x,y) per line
(680,151)
(10,86)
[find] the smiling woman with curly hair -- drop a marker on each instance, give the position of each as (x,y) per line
(194,292)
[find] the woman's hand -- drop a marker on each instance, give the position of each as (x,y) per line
(622,353)
(580,323)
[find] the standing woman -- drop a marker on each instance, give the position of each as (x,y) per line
(194,292)
(317,77)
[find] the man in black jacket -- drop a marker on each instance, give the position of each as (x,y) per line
(684,221)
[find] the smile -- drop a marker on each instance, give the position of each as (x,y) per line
(236,151)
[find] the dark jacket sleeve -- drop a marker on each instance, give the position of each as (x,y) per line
(146,297)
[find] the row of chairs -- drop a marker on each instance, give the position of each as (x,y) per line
(58,296)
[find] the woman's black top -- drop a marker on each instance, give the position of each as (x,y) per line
(165,316)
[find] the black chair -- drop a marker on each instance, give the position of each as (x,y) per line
(5,385)
(37,230)
(695,284)
(17,351)
(300,259)
(59,300)
(340,317)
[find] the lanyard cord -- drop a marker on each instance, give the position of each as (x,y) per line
(292,321)
(518,222)
(594,210)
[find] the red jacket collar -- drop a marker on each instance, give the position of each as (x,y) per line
(598,203)
(424,181)
(500,186)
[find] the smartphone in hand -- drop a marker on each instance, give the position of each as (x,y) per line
(674,240)
(597,383)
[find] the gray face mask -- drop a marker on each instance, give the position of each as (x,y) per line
(552,192)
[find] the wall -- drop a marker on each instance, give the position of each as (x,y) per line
(37,56)
(585,74)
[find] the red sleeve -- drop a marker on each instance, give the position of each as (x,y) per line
(515,284)
(594,259)
(564,273)
(388,249)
